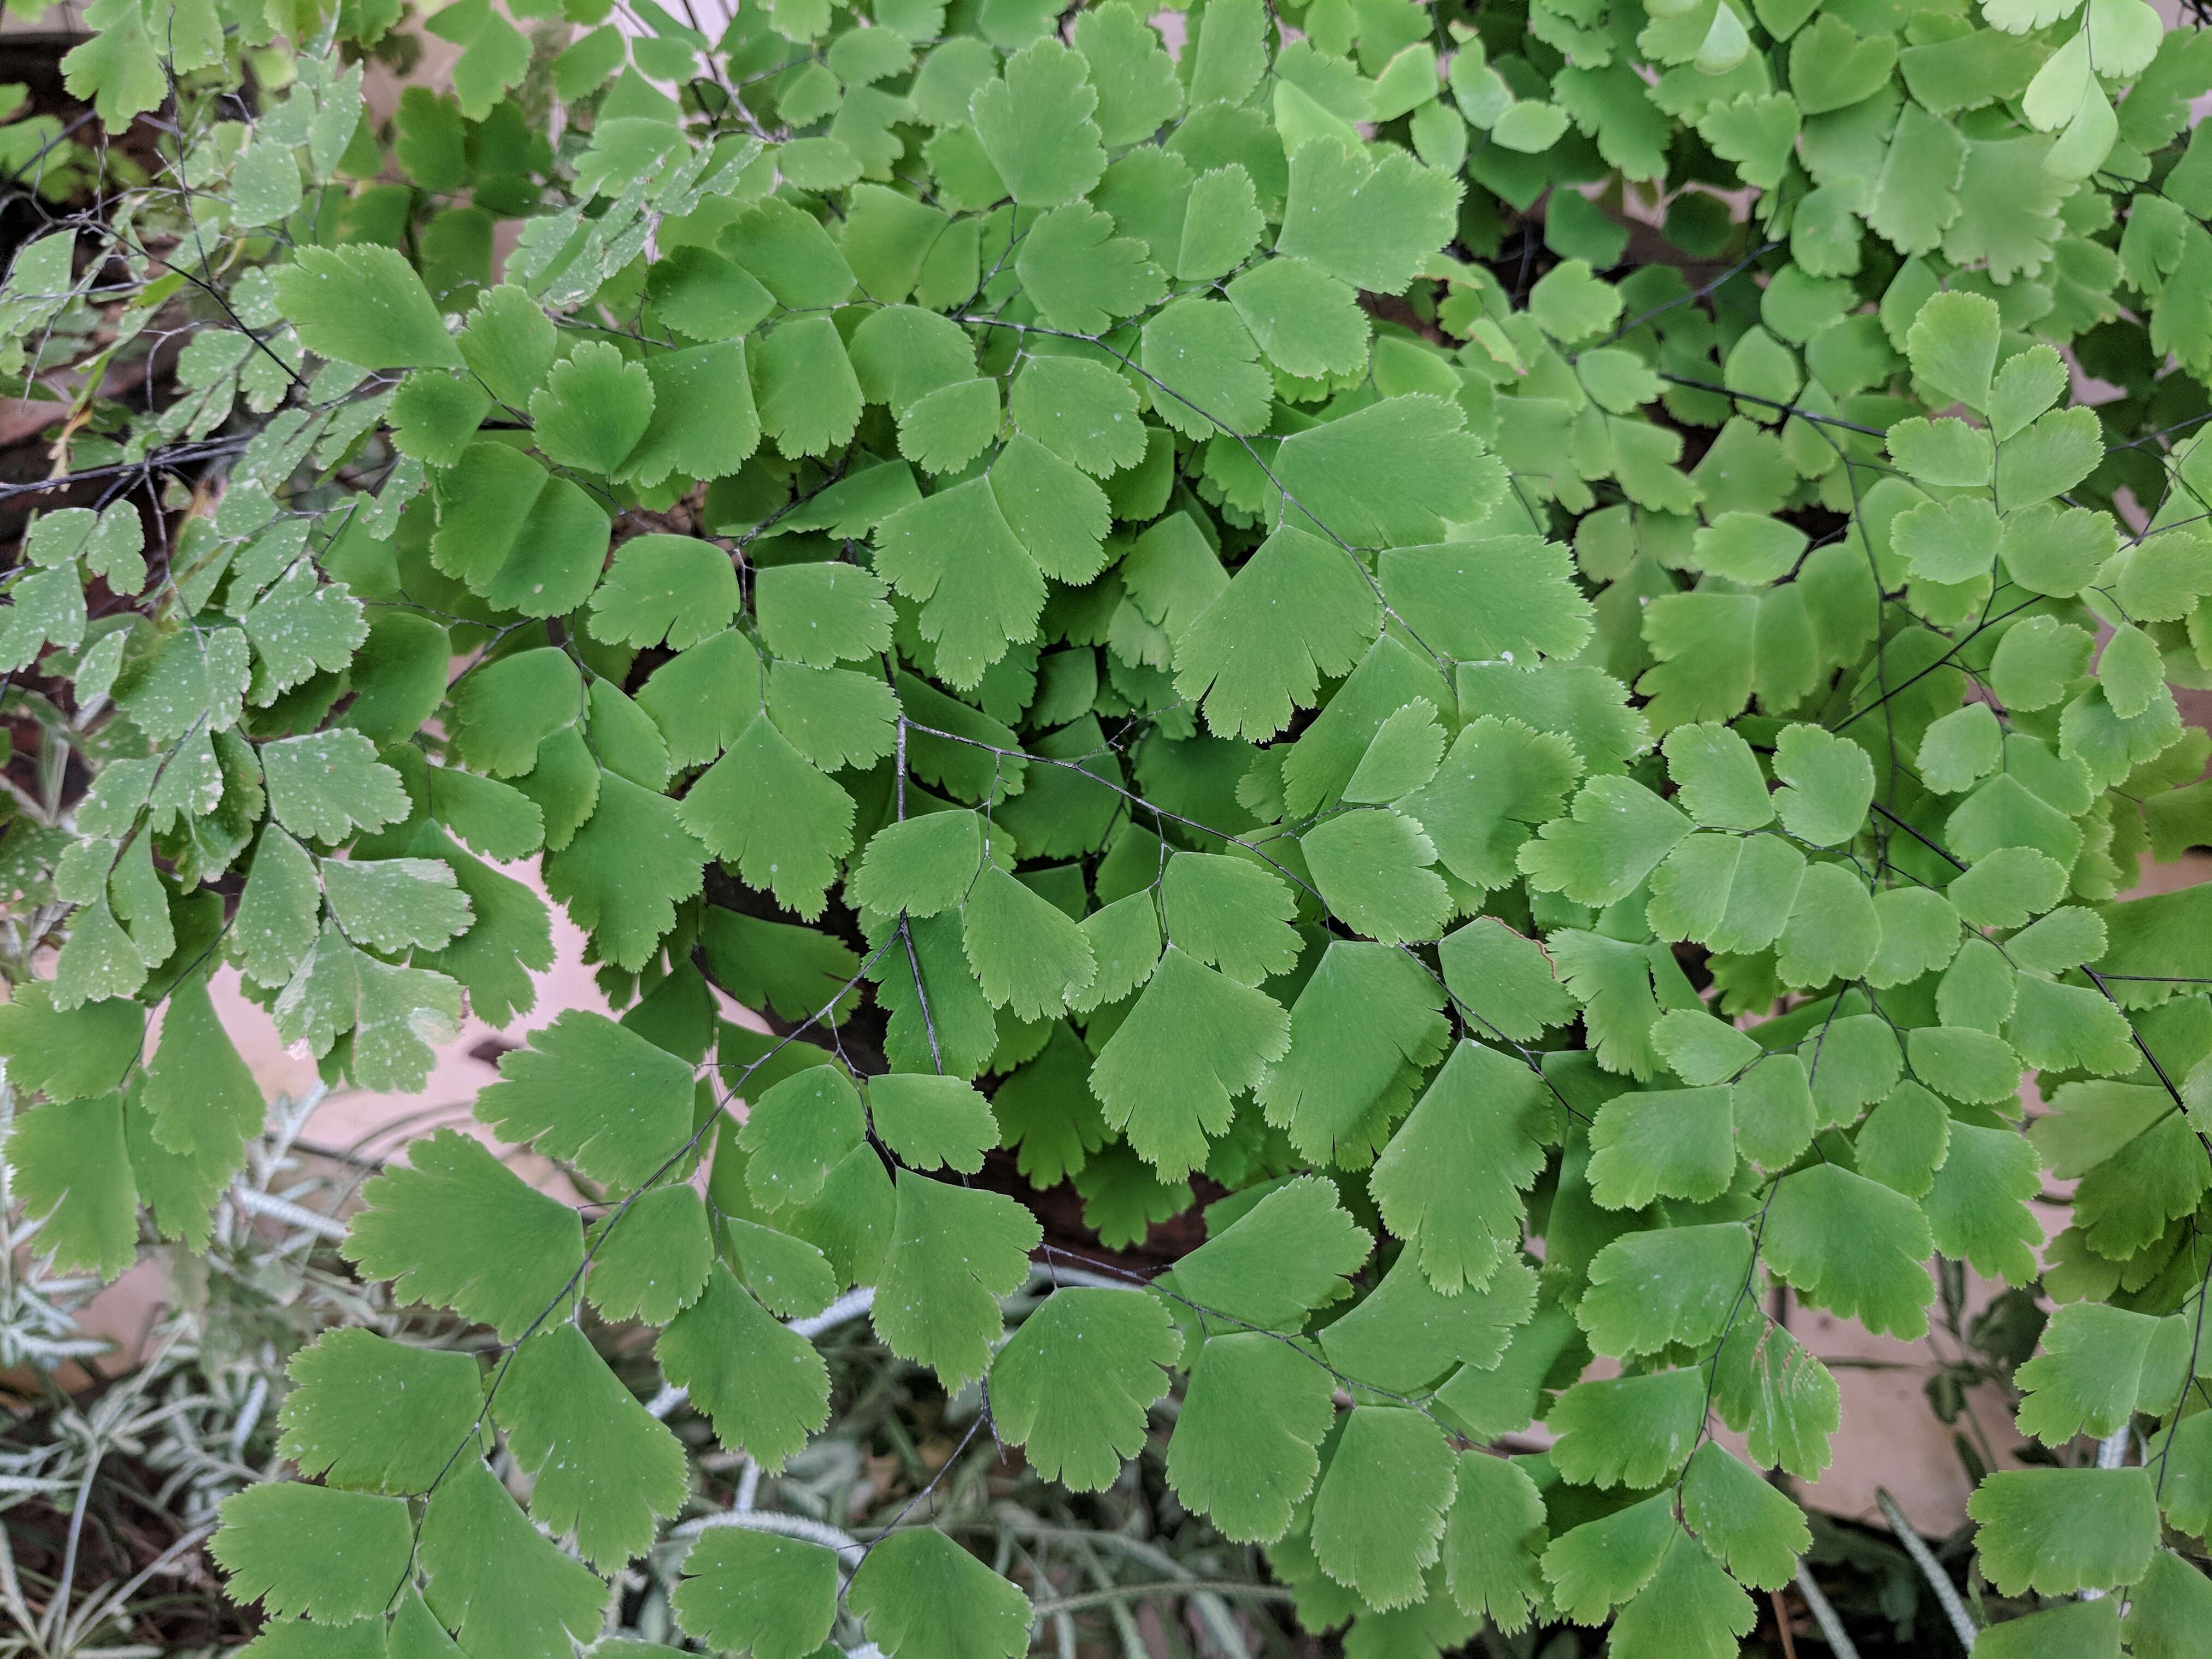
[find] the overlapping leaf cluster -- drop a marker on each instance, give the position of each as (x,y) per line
(1037,552)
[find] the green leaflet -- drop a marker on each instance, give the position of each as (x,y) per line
(364,305)
(605,1471)
(774,1596)
(351,1421)
(913,563)
(762,1385)
(1627,1431)
(1493,1539)
(1319,617)
(1116,1342)
(2064,1530)
(489,1570)
(1452,1176)
(1256,1411)
(921,1594)
(590,1092)
(1283,1257)
(953,1252)
(505,1255)
(313,1550)
(1378,1514)
(1853,1245)
(1165,1089)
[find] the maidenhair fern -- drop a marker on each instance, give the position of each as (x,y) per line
(1156,595)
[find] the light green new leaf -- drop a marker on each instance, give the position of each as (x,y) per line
(2098,1363)
(1828,783)
(1834,931)
(1205,369)
(1080,276)
(2008,887)
(1716,778)
(803,387)
(1501,778)
(1406,1334)
(1503,981)
(1307,323)
(1134,77)
(200,1093)
(1701,1049)
(1505,598)
(1397,473)
(594,408)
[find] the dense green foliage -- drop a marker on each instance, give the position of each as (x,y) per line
(1155,610)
